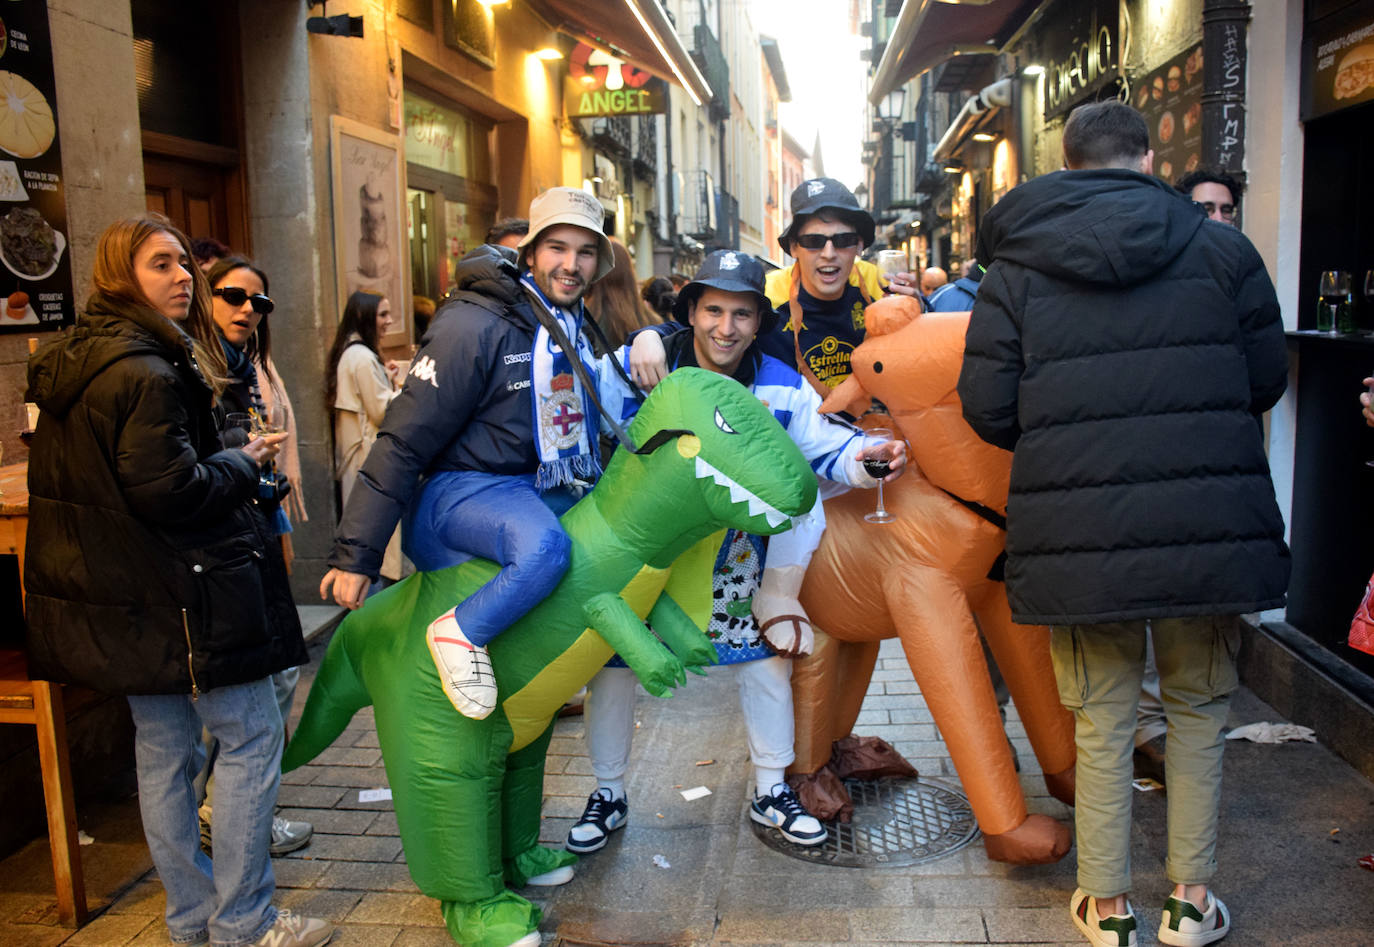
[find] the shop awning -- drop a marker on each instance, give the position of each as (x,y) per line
(995,96)
(637,31)
(928,32)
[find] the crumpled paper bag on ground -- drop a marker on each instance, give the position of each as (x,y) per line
(1272,733)
(853,757)
(869,758)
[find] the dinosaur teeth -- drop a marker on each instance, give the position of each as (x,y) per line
(739,494)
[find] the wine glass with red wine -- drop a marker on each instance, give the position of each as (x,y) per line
(877,453)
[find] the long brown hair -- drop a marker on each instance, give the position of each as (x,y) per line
(113,277)
(614,300)
(359,318)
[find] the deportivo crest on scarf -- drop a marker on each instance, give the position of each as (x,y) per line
(560,413)
(564,421)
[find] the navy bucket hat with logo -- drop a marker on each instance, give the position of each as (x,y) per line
(733,272)
(818,194)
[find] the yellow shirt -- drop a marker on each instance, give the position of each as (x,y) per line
(778,283)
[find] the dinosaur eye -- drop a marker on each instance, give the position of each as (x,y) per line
(720,423)
(877,368)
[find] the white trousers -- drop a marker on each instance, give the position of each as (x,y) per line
(765,696)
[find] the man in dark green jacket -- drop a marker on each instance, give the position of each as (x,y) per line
(1124,347)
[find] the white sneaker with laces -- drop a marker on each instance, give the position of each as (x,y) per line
(464,668)
(287,836)
(296,930)
(784,811)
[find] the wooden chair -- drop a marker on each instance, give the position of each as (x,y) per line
(39,704)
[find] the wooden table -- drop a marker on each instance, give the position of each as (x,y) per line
(39,704)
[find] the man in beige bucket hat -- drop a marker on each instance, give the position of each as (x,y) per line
(492,436)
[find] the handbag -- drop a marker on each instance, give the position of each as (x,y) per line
(1362,626)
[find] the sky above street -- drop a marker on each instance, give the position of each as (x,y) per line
(826,76)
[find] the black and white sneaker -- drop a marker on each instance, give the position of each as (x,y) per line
(602,816)
(783,810)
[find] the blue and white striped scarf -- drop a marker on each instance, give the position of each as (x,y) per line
(566,420)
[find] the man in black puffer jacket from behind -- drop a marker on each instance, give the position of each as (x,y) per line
(1125,347)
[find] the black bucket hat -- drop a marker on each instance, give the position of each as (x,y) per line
(734,272)
(820,194)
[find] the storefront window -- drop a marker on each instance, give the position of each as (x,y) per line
(452,201)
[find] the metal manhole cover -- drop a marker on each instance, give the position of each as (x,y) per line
(896,822)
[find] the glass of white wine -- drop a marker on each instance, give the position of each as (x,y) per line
(270,419)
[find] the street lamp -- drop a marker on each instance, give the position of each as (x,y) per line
(861,195)
(890,108)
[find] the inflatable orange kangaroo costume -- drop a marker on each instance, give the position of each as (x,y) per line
(924,579)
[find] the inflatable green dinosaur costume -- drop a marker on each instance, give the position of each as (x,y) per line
(467,792)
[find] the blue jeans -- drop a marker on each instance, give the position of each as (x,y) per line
(230,900)
(459,514)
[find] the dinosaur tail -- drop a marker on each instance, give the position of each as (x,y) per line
(337,694)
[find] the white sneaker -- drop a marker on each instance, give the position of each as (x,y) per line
(296,930)
(1183,925)
(464,668)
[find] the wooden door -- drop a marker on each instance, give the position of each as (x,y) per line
(203,198)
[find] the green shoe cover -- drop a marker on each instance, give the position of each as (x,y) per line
(498,921)
(534,861)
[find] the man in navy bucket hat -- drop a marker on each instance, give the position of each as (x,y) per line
(756,621)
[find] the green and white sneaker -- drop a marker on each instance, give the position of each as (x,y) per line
(1114,930)
(1183,925)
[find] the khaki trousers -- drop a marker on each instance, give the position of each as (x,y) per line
(1099,669)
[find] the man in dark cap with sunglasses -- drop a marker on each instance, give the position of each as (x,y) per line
(822,318)
(726,312)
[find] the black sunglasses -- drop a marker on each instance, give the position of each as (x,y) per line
(817,241)
(237,296)
(1228,211)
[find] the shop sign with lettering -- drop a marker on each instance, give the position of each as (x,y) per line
(599,84)
(1079,44)
(435,136)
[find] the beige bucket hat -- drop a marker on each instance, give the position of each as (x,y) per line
(570,205)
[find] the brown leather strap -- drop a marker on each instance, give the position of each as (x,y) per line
(796,621)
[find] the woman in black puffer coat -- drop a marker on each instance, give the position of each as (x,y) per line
(147,575)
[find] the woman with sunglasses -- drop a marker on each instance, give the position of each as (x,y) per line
(240,307)
(358,389)
(141,578)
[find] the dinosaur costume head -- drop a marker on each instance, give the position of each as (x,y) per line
(467,792)
(703,437)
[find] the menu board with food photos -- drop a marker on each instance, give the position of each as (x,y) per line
(35,267)
(1338,62)
(1170,98)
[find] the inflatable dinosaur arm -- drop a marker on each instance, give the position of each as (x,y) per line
(681,634)
(657,669)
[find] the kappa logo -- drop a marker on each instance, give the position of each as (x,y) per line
(728,261)
(814,187)
(426,370)
(517,358)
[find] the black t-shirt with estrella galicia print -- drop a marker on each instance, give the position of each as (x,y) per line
(831,328)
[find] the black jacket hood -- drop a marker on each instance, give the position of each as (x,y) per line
(1113,227)
(105,333)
